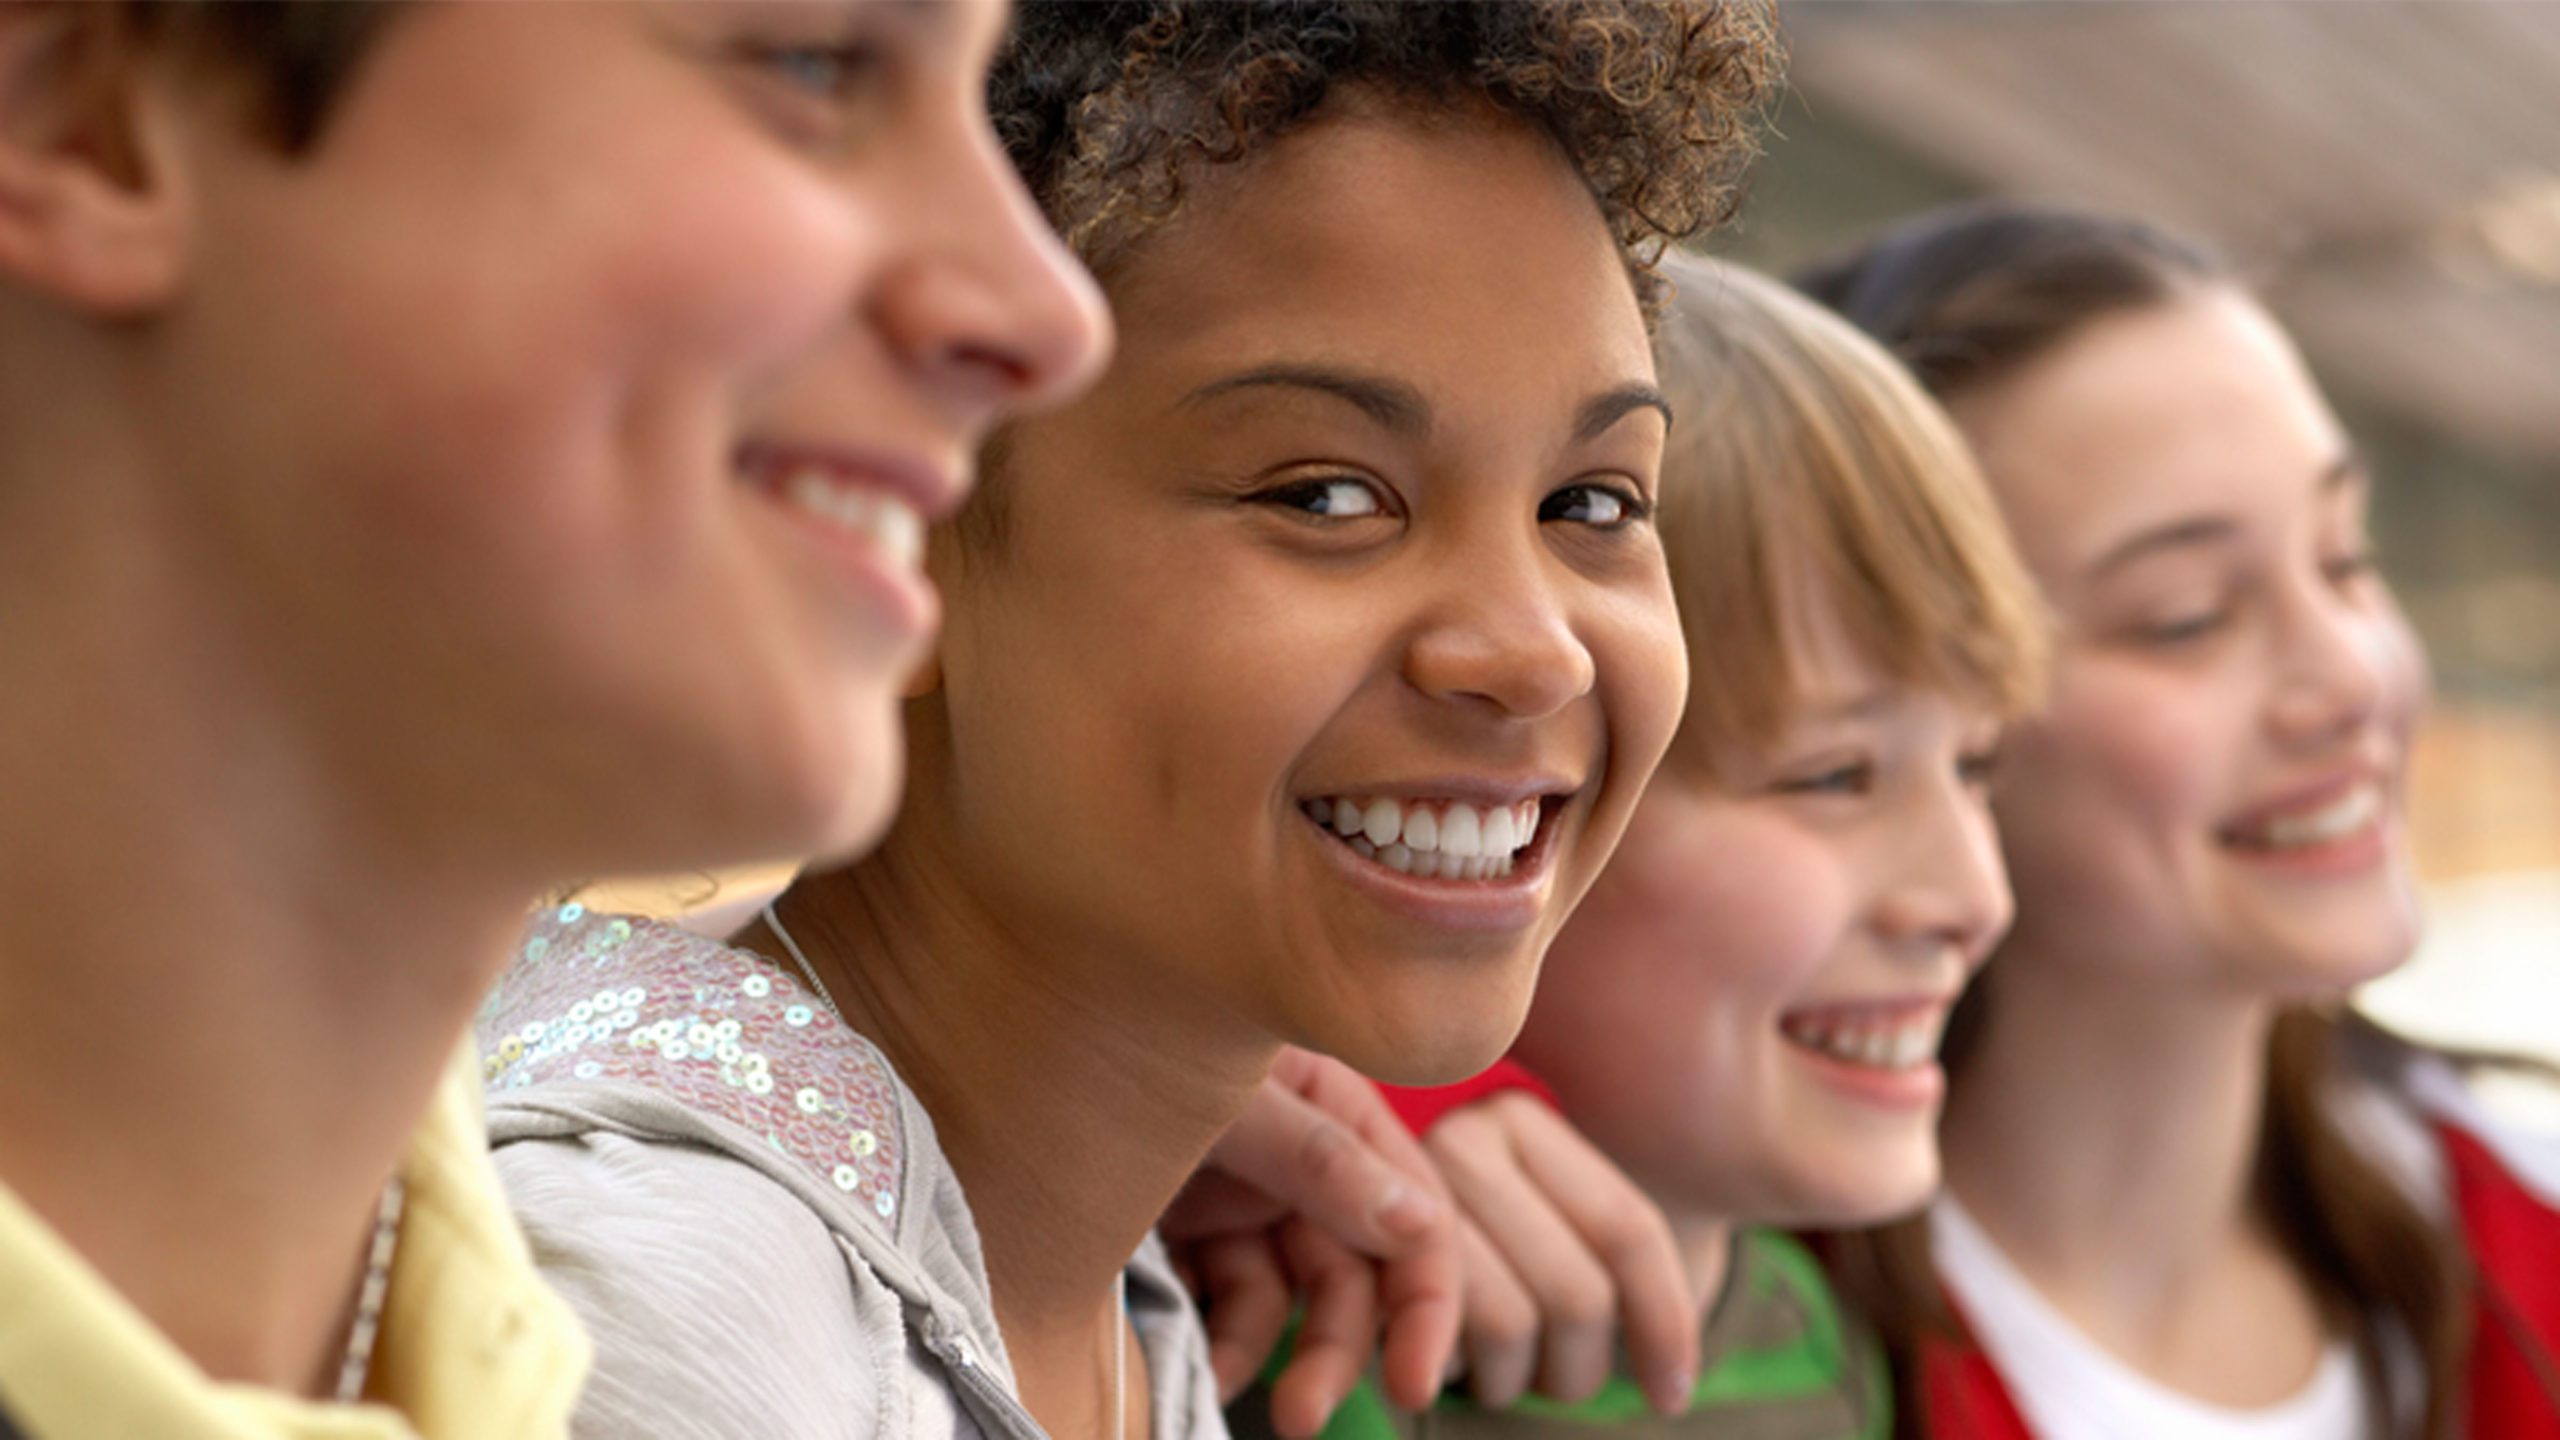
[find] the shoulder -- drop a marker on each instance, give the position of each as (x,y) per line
(719,1303)
(2404,1104)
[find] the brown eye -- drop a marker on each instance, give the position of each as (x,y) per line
(1336,497)
(1602,507)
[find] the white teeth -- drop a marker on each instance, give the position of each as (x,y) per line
(889,523)
(1875,1044)
(1384,821)
(1438,840)
(2336,820)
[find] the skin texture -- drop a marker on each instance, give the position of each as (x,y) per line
(1213,601)
(1873,878)
(2106,1131)
(370,546)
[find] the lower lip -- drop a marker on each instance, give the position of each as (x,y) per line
(1502,906)
(898,594)
(2353,854)
(1920,1087)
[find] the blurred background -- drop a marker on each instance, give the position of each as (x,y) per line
(2390,172)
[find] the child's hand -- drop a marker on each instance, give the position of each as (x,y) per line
(1561,1251)
(1319,1195)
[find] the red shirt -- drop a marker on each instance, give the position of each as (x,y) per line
(2513,1237)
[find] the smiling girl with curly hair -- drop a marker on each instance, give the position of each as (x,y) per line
(1295,684)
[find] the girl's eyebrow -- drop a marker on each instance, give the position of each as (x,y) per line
(2343,473)
(2174,535)
(1398,407)
(1392,404)
(1611,406)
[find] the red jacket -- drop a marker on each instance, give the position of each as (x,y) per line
(2514,1240)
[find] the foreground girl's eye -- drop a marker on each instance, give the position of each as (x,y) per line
(1332,497)
(1602,507)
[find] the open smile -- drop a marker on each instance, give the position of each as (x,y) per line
(1450,862)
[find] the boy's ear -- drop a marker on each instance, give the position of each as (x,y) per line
(92,209)
(927,676)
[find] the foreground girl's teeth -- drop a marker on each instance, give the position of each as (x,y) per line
(889,523)
(2336,820)
(1876,1044)
(1442,840)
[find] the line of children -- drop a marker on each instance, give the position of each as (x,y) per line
(446,451)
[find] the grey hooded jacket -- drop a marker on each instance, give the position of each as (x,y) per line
(749,1211)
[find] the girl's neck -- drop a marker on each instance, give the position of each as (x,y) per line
(225,999)
(1071,1096)
(2106,1137)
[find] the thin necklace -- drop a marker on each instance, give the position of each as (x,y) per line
(1119,1283)
(367,1325)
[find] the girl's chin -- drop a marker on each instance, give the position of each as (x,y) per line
(1431,1050)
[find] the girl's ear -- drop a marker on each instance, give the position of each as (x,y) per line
(95,211)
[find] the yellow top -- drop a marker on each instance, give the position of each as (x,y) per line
(473,1346)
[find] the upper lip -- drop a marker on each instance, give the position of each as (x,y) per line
(1478,790)
(2309,795)
(935,491)
(1896,1005)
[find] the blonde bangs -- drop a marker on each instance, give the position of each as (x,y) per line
(1804,456)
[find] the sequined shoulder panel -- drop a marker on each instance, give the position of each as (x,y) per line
(723,1031)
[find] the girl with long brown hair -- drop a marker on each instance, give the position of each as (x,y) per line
(2189,1194)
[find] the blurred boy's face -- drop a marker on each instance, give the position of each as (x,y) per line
(561,426)
(1745,1012)
(1328,644)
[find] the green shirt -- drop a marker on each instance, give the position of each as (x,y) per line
(1783,1362)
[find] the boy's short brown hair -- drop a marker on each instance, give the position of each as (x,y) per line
(1804,454)
(296,56)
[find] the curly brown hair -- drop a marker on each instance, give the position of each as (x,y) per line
(1108,109)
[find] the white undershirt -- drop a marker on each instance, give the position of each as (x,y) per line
(2067,1388)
